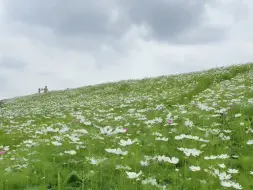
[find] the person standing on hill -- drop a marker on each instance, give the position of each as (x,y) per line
(1,105)
(45,89)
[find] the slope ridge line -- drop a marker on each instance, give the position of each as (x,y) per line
(206,82)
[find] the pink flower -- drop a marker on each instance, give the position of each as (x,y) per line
(126,129)
(2,152)
(170,121)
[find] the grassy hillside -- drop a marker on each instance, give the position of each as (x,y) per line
(190,131)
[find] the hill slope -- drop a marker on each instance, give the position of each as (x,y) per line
(189,131)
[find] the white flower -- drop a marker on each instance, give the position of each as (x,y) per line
(183,136)
(126,143)
(118,118)
(229,183)
(73,138)
(117,151)
(71,152)
(222,165)
(203,107)
(29,143)
(226,183)
(250,100)
(227,131)
(110,131)
(160,107)
(83,131)
(251,172)
(233,171)
(224,137)
(144,163)
(133,175)
(162,139)
(221,111)
(151,181)
(94,161)
(250,142)
(188,123)
(224,176)
(158,120)
(203,181)
(163,158)
(222,156)
(157,134)
(194,168)
(238,115)
(188,152)
(6,148)
(56,143)
(174,160)
(236,185)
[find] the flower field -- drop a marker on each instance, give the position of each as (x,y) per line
(190,131)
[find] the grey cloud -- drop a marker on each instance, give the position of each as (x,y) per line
(78,25)
(171,20)
(67,18)
(82,23)
(201,36)
(12,63)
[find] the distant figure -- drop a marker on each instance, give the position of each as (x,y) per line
(39,90)
(1,104)
(45,89)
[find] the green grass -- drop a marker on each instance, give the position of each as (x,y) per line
(59,141)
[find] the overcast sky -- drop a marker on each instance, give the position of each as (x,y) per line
(73,43)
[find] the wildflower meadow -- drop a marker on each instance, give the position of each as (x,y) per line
(191,131)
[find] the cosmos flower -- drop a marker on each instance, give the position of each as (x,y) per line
(224,176)
(238,115)
(117,151)
(56,143)
(163,158)
(233,171)
(222,156)
(157,134)
(250,142)
(183,136)
(70,152)
(151,181)
(222,166)
(126,142)
(94,161)
(228,183)
(144,163)
(169,121)
(133,175)
(194,168)
(194,152)
(188,123)
(162,139)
